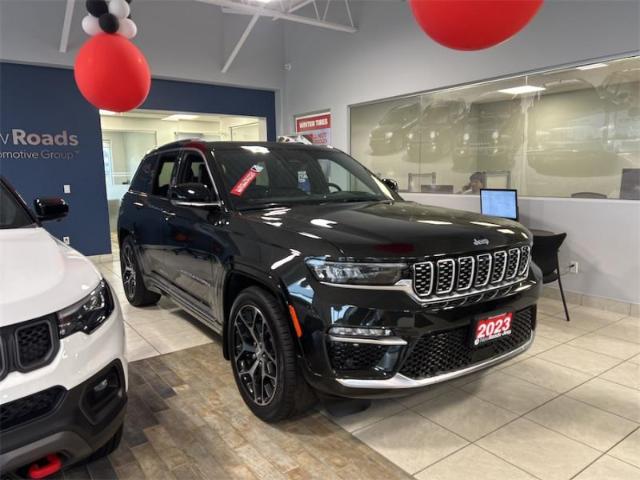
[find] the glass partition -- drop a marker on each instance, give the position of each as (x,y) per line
(566,133)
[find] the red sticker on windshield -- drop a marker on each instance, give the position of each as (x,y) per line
(246,179)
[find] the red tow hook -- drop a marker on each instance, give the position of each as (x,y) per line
(43,470)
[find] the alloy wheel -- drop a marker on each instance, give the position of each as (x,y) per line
(255,354)
(129,271)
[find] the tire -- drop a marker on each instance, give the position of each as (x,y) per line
(108,447)
(281,392)
(132,280)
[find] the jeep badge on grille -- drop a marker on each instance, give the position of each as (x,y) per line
(480,241)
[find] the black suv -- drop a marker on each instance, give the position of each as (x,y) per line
(318,274)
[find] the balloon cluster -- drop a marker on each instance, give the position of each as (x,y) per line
(110,71)
(112,16)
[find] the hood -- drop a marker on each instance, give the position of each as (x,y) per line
(40,275)
(393,230)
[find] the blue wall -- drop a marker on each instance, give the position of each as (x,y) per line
(42,100)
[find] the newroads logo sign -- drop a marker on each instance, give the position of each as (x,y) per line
(20,144)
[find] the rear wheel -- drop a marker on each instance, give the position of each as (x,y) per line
(263,357)
(132,281)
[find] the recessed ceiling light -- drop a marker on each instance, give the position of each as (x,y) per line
(106,112)
(592,66)
(180,116)
(522,89)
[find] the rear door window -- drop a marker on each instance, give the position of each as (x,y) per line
(167,163)
(142,180)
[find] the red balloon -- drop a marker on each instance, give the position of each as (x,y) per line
(112,73)
(473,24)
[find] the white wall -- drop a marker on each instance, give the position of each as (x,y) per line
(182,39)
(602,235)
(390,55)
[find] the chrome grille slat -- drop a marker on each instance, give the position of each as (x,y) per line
(499,266)
(423,277)
(513,260)
(484,263)
(466,268)
(446,276)
(469,279)
(524,260)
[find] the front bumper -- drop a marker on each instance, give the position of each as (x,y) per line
(399,369)
(58,418)
(402,382)
(71,423)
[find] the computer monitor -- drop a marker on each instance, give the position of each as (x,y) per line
(630,184)
(499,202)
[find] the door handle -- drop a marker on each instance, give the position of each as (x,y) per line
(168,215)
(138,205)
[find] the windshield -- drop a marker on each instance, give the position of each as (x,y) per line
(12,213)
(257,176)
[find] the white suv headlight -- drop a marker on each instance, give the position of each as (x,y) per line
(88,314)
(356,273)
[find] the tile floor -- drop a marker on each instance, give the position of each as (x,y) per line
(567,408)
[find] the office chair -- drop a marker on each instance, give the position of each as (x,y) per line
(545,255)
(588,195)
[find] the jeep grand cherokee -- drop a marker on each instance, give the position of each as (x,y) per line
(319,276)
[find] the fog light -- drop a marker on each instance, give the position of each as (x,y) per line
(361,332)
(101,386)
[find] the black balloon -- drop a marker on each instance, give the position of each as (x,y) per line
(97,8)
(109,23)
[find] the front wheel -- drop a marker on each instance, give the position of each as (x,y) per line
(263,357)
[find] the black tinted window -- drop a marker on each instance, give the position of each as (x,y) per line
(142,180)
(12,213)
(194,170)
(164,171)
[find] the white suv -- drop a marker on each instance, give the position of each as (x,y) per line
(63,373)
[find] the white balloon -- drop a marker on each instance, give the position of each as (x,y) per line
(128,28)
(90,25)
(119,8)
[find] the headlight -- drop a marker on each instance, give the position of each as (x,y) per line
(356,273)
(88,314)
(388,135)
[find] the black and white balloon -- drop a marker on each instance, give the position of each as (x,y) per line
(109,16)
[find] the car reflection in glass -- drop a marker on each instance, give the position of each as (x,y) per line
(490,136)
(432,137)
(390,134)
(567,131)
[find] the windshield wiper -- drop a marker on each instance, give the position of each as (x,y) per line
(264,206)
(353,200)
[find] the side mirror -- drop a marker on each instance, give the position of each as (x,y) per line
(391,184)
(50,208)
(192,195)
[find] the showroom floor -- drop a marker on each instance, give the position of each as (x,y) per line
(568,408)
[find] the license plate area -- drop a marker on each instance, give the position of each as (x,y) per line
(491,327)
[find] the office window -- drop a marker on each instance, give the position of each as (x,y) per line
(566,133)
